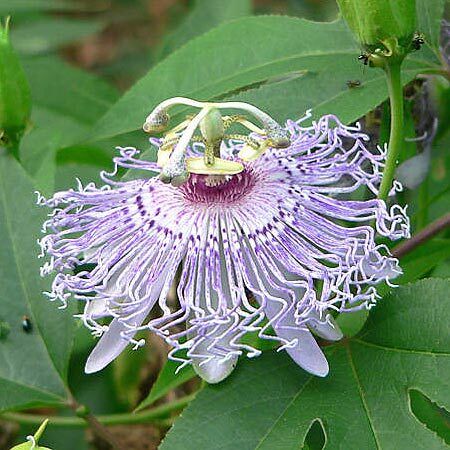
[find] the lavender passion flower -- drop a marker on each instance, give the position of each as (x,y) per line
(266,238)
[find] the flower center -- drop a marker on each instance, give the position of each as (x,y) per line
(222,189)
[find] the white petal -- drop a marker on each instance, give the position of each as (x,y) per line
(413,171)
(96,308)
(325,327)
(216,369)
(210,366)
(386,268)
(109,347)
(306,353)
(304,349)
(111,344)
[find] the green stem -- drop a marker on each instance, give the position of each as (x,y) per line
(158,414)
(422,236)
(394,82)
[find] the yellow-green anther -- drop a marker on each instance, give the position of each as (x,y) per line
(168,142)
(250,152)
(15,96)
(157,121)
(278,137)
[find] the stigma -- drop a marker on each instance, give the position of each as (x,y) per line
(212,129)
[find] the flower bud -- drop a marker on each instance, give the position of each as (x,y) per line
(15,97)
(32,441)
(375,21)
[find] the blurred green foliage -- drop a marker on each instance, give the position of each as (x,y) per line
(80,57)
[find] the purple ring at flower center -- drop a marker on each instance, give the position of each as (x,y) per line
(220,189)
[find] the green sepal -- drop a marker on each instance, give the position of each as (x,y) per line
(33,446)
(29,446)
(376,21)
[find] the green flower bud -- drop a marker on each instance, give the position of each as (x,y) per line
(15,97)
(376,21)
(29,446)
(32,441)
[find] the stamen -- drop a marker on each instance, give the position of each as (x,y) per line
(157,121)
(172,152)
(174,171)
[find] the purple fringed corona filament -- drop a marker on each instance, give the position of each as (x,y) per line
(274,250)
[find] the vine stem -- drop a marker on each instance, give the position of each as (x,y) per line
(157,414)
(393,75)
(422,236)
(98,429)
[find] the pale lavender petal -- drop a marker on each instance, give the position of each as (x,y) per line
(109,347)
(300,344)
(325,327)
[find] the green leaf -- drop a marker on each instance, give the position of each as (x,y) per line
(166,381)
(68,91)
(67,101)
(352,322)
(270,403)
(442,270)
(439,180)
(33,365)
(288,65)
(17,6)
(127,371)
(429,16)
(205,14)
(50,132)
(423,259)
(47,34)
(435,418)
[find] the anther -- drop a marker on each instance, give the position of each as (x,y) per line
(157,121)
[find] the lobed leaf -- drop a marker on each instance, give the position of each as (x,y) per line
(270,403)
